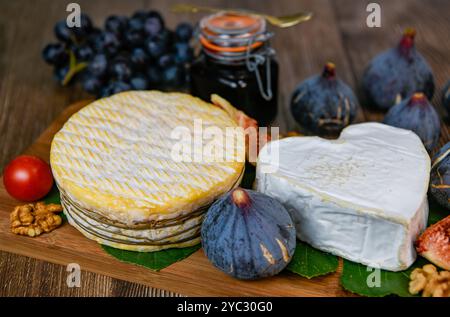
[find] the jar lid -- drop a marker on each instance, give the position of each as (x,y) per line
(232,31)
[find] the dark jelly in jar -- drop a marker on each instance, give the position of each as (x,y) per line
(237,63)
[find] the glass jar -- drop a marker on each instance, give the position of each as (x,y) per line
(237,63)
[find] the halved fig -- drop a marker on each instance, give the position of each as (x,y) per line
(434,244)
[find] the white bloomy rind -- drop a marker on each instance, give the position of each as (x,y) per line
(362,196)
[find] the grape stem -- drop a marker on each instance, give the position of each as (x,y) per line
(74,68)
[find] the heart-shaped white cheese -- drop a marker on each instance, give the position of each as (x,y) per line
(362,196)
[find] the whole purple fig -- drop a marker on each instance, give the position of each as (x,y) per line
(446,97)
(248,235)
(324,104)
(397,73)
(440,176)
(418,115)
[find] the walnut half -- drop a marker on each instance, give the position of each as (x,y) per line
(430,282)
(34,219)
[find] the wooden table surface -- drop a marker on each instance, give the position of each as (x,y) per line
(30,99)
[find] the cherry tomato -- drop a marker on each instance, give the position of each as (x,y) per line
(27,178)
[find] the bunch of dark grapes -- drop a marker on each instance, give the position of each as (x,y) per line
(130,53)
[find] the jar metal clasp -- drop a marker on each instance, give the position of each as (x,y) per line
(254,59)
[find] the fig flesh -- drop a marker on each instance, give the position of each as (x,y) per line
(434,244)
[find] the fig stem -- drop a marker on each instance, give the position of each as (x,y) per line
(407,40)
(410,32)
(240,198)
(329,71)
(418,97)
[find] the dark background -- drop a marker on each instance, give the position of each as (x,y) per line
(30,99)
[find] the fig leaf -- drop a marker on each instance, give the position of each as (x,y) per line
(155,261)
(360,279)
(309,262)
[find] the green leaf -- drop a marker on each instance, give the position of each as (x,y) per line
(53,196)
(309,262)
(360,279)
(152,260)
(249,176)
(437,212)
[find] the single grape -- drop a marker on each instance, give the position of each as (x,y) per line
(86,22)
(109,43)
(62,32)
(155,47)
(154,75)
(98,65)
(139,83)
(55,54)
(183,32)
(153,26)
(166,60)
(98,43)
(133,38)
(120,70)
(157,15)
(123,57)
(93,37)
(84,52)
(139,57)
(183,53)
(136,24)
(116,24)
(92,84)
(173,76)
(106,90)
(60,73)
(166,36)
(119,86)
(85,27)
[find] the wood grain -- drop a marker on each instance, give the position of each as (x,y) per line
(30,99)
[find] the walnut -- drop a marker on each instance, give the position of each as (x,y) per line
(22,215)
(430,282)
(34,219)
(48,222)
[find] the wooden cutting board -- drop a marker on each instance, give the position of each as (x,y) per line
(193,276)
